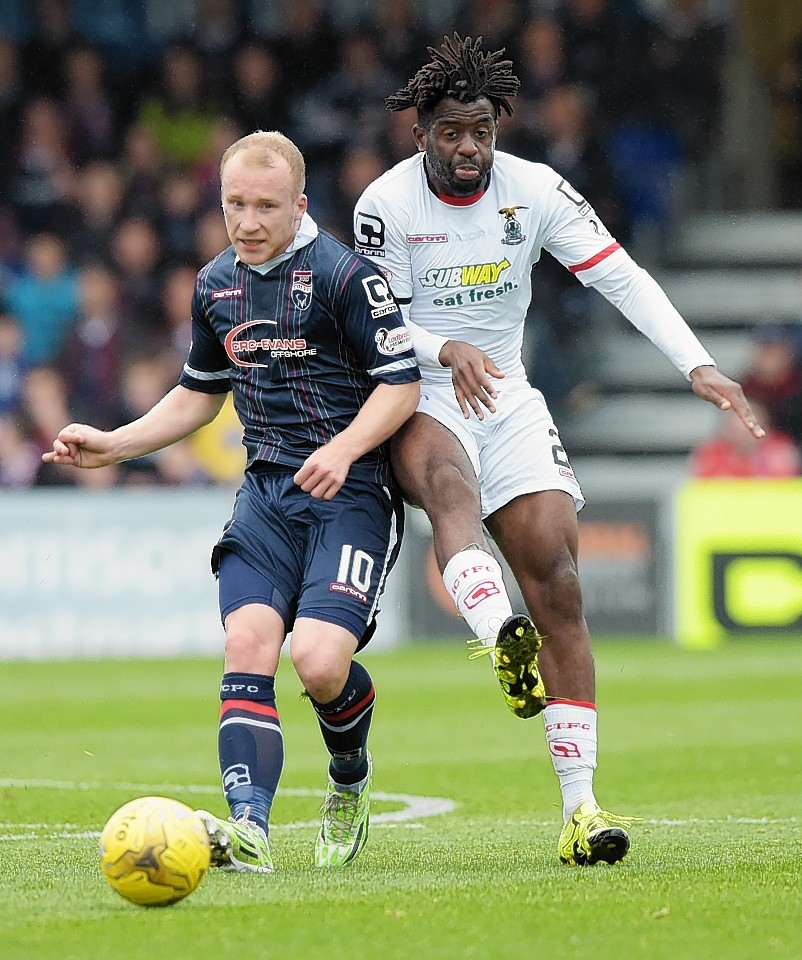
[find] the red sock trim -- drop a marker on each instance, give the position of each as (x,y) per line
(347,714)
(251,706)
(557,701)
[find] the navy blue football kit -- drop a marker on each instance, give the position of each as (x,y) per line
(301,342)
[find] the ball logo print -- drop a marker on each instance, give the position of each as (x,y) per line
(154,851)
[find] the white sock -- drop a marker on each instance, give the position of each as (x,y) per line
(475,584)
(571,739)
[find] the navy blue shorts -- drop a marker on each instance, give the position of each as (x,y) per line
(323,559)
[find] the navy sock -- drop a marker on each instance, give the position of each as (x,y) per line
(250,744)
(345,723)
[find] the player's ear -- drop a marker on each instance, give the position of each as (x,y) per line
(419,134)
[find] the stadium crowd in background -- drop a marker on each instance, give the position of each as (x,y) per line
(115,116)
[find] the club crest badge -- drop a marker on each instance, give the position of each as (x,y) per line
(513,234)
(301,290)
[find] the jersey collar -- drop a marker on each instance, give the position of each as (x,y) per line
(306,234)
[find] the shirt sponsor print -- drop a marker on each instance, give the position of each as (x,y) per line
(467,275)
(254,344)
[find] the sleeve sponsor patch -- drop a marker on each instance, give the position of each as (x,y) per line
(369,234)
(391,342)
(379,297)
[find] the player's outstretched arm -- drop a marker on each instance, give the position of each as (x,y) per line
(177,415)
(471,370)
(386,409)
(711,385)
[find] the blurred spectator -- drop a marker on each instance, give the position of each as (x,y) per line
(92,358)
(206,172)
(43,179)
(144,383)
(218,28)
(788,93)
(211,236)
(603,49)
(400,34)
(100,193)
(44,298)
(360,166)
(142,166)
(308,44)
(397,139)
(541,57)
(44,53)
(498,21)
(12,364)
(258,92)
(46,405)
(178,113)
(11,259)
(734,452)
(12,99)
(774,375)
(20,459)
(345,111)
(136,256)
(181,196)
(88,111)
(176,305)
(686,56)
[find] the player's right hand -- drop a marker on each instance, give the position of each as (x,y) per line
(471,370)
(79,445)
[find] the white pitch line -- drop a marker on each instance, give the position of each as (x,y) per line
(415,807)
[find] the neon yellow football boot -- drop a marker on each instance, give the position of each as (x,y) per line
(515,665)
(592,834)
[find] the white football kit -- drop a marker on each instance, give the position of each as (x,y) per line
(461,270)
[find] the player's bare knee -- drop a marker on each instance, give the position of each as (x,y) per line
(321,679)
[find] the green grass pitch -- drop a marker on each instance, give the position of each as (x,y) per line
(461,863)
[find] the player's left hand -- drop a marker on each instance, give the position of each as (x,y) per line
(324,472)
(711,385)
(471,373)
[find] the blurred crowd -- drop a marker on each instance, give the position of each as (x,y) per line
(773,384)
(114,117)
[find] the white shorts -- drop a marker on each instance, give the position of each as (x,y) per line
(514,451)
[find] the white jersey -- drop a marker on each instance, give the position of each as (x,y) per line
(461,269)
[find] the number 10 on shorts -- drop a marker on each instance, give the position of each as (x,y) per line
(356,567)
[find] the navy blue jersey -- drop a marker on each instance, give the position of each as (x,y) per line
(301,346)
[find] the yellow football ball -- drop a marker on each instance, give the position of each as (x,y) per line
(154,851)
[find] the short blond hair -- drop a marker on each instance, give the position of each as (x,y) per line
(264,146)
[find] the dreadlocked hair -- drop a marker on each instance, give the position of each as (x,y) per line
(459,69)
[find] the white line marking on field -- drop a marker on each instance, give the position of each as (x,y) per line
(415,808)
